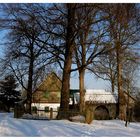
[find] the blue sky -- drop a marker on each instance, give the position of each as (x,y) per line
(91,82)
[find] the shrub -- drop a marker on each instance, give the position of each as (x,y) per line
(34,109)
(46,109)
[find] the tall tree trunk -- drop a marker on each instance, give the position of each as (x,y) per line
(82,90)
(30,82)
(112,86)
(83,38)
(112,81)
(128,116)
(121,100)
(64,104)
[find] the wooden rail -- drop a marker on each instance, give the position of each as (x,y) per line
(52,114)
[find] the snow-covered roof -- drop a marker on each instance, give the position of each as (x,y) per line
(100,96)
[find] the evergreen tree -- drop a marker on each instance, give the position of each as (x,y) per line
(8,94)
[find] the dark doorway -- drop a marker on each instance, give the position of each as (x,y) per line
(101,113)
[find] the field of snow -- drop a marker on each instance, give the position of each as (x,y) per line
(11,127)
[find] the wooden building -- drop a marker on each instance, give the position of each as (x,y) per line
(48,92)
(100,103)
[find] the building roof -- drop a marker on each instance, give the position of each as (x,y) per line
(51,83)
(49,90)
(100,96)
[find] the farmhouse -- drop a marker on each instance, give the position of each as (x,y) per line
(48,93)
(99,103)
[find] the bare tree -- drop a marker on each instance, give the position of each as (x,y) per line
(89,41)
(106,68)
(24,55)
(61,20)
(123,31)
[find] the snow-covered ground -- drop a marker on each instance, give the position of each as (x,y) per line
(12,127)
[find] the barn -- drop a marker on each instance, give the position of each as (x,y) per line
(101,103)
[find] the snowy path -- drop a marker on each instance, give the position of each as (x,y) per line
(35,128)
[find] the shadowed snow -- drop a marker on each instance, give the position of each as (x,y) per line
(10,126)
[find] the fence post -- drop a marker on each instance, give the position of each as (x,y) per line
(18,110)
(51,113)
(89,114)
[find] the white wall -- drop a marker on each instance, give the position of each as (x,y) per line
(43,105)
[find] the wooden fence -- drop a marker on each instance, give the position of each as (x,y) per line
(52,113)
